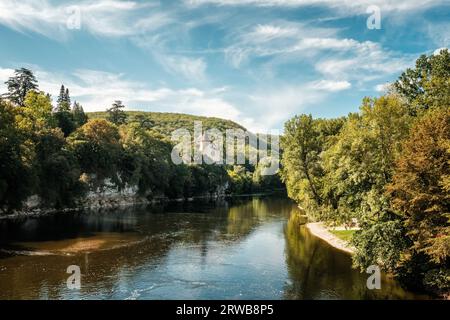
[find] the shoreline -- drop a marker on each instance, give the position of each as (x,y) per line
(320,231)
(40,212)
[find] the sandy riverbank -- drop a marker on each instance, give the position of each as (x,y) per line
(319,230)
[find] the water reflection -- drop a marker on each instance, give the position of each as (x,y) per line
(250,248)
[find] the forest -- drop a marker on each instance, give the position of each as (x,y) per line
(60,153)
(385,169)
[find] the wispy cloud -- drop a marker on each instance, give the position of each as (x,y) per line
(349,6)
(283,38)
(329,85)
(104,17)
(340,59)
(286,99)
(190,68)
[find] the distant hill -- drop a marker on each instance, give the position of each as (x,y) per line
(163,123)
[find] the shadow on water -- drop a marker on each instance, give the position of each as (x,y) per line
(246,248)
(319,271)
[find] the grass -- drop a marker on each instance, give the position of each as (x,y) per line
(345,235)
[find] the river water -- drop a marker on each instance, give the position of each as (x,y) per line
(249,248)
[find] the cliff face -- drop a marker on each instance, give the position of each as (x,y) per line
(106,196)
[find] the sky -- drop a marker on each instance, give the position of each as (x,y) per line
(256,62)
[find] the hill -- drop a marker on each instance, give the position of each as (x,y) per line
(163,123)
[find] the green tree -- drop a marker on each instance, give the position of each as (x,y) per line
(63,115)
(97,147)
(16,154)
(360,162)
(37,111)
(143,121)
(63,102)
(20,84)
(303,143)
(240,180)
(79,117)
(428,84)
(57,170)
(301,163)
(116,115)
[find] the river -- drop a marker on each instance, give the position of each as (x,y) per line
(246,248)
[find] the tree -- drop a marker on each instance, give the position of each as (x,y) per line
(428,84)
(16,154)
(97,147)
(63,115)
(79,117)
(420,195)
(115,114)
(143,121)
(301,167)
(37,109)
(65,121)
(67,97)
(382,243)
(63,102)
(360,162)
(240,180)
(19,85)
(420,188)
(303,142)
(58,173)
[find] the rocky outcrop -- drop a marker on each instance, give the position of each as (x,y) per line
(109,196)
(105,196)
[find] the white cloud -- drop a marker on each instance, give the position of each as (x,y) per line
(364,62)
(281,39)
(291,43)
(328,85)
(191,68)
(272,106)
(266,32)
(348,6)
(438,51)
(104,17)
(382,87)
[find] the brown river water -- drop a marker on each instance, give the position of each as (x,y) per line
(247,248)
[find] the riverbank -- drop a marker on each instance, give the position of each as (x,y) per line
(319,230)
(112,203)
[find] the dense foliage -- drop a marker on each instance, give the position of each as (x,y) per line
(385,169)
(60,153)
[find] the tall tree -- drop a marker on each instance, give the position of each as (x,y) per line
(19,85)
(79,117)
(67,97)
(420,193)
(38,111)
(359,164)
(16,153)
(63,116)
(428,84)
(63,102)
(115,114)
(302,171)
(421,184)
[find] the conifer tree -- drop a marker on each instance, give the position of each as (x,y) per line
(19,85)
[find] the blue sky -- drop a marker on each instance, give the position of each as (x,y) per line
(257,62)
